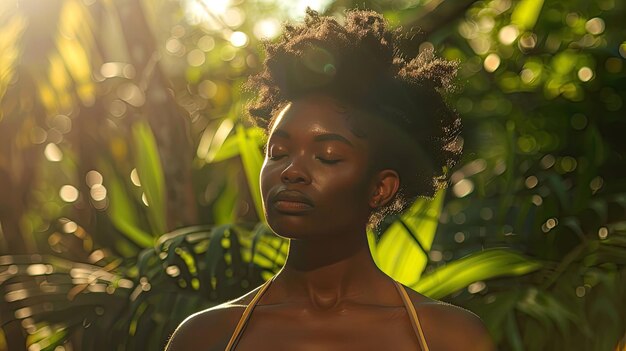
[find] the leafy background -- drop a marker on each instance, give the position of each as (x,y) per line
(128,180)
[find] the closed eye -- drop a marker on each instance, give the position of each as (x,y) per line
(328,161)
(276,157)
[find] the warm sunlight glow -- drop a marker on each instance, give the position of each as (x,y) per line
(476,287)
(206,43)
(463,188)
(508,34)
(98,192)
(585,74)
(132,94)
(296,8)
(492,62)
(70,227)
(217,7)
(603,233)
(68,193)
(134,177)
(239,39)
(266,29)
(595,26)
(207,89)
(38,269)
(234,17)
(53,153)
(531,182)
(93,178)
(195,57)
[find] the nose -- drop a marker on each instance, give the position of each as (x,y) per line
(295,173)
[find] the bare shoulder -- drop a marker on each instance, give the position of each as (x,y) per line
(449,327)
(209,329)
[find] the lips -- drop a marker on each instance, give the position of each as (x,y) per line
(292,201)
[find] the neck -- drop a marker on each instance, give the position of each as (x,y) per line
(325,272)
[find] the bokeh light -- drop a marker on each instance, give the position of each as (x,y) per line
(595,26)
(508,34)
(68,193)
(476,287)
(585,74)
(174,47)
(98,192)
(53,153)
(528,41)
(132,94)
(69,226)
(603,233)
(531,182)
(267,28)
(238,39)
(463,188)
(492,62)
(207,89)
(195,57)
(134,177)
(144,199)
(234,17)
(218,7)
(93,178)
(62,123)
(206,43)
(459,237)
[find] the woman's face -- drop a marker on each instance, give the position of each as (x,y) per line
(315,180)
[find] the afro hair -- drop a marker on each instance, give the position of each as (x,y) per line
(359,63)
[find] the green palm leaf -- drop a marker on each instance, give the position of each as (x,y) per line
(150,173)
(475,267)
(402,251)
(123,213)
(252,161)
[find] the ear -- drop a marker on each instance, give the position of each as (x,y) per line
(385,187)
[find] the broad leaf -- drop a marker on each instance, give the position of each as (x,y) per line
(475,267)
(230,147)
(252,161)
(123,213)
(402,251)
(150,174)
(526,13)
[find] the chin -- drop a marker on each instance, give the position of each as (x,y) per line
(291,227)
(289,231)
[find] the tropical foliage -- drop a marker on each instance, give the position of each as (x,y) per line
(129,179)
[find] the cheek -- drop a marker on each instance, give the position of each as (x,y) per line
(345,185)
(266,178)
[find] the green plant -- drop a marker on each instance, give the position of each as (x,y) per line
(121,122)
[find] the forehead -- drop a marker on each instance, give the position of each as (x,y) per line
(319,114)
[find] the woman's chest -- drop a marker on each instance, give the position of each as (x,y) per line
(380,329)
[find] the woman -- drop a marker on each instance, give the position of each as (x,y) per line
(355,133)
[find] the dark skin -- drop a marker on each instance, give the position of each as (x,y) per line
(330,295)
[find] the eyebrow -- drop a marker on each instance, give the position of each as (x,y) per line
(318,138)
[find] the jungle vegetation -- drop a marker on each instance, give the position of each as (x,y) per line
(129,193)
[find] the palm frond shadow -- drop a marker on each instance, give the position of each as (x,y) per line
(138,306)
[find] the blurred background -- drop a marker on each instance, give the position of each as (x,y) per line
(129,196)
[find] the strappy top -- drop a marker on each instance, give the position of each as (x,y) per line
(415,322)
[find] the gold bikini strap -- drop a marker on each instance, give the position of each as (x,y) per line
(246,314)
(415,321)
